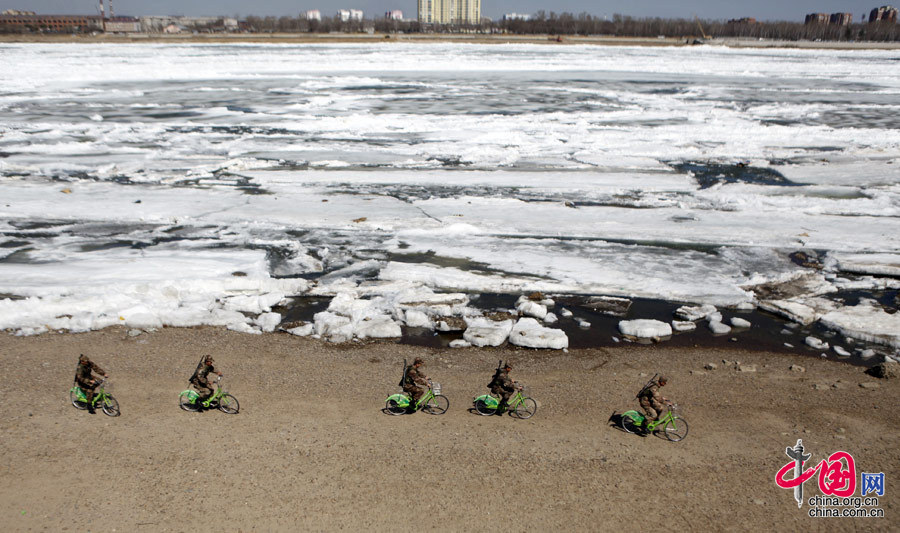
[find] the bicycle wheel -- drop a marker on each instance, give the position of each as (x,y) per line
(483,409)
(73,396)
(629,425)
(229,404)
(437,405)
(676,429)
(185,402)
(393,408)
(526,408)
(110,406)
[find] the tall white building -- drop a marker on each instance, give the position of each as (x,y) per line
(449,11)
(467,12)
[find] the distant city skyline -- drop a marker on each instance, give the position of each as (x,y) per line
(793,11)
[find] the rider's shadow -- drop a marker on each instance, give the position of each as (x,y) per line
(474,411)
(615,420)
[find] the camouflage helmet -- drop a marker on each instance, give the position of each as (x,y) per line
(418,361)
(662,379)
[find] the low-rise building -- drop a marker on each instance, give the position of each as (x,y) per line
(163,24)
(394,14)
(347,15)
(123,25)
(516,16)
(51,23)
(743,20)
(313,14)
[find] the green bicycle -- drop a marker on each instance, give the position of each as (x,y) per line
(189,400)
(674,427)
(520,405)
(432,402)
(102,397)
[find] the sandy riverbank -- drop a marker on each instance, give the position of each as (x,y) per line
(307,38)
(311,450)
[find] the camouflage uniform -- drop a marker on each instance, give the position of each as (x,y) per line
(200,380)
(84,379)
(504,387)
(652,402)
(414,383)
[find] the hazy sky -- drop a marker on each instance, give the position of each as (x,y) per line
(792,10)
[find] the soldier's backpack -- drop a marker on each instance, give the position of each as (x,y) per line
(646,387)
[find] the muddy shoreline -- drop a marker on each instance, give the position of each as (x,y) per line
(311,448)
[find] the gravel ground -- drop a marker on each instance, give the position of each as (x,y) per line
(312,450)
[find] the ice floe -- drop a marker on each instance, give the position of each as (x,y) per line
(866,321)
(700,312)
(879,264)
(529,333)
(718,328)
(532,309)
(816,343)
(645,328)
(485,332)
(683,325)
(739,322)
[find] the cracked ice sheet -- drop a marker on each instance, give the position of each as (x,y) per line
(746,227)
(298,208)
(662,179)
(136,288)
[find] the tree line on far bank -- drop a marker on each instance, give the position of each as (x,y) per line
(584,24)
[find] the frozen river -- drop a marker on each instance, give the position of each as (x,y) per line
(152,185)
